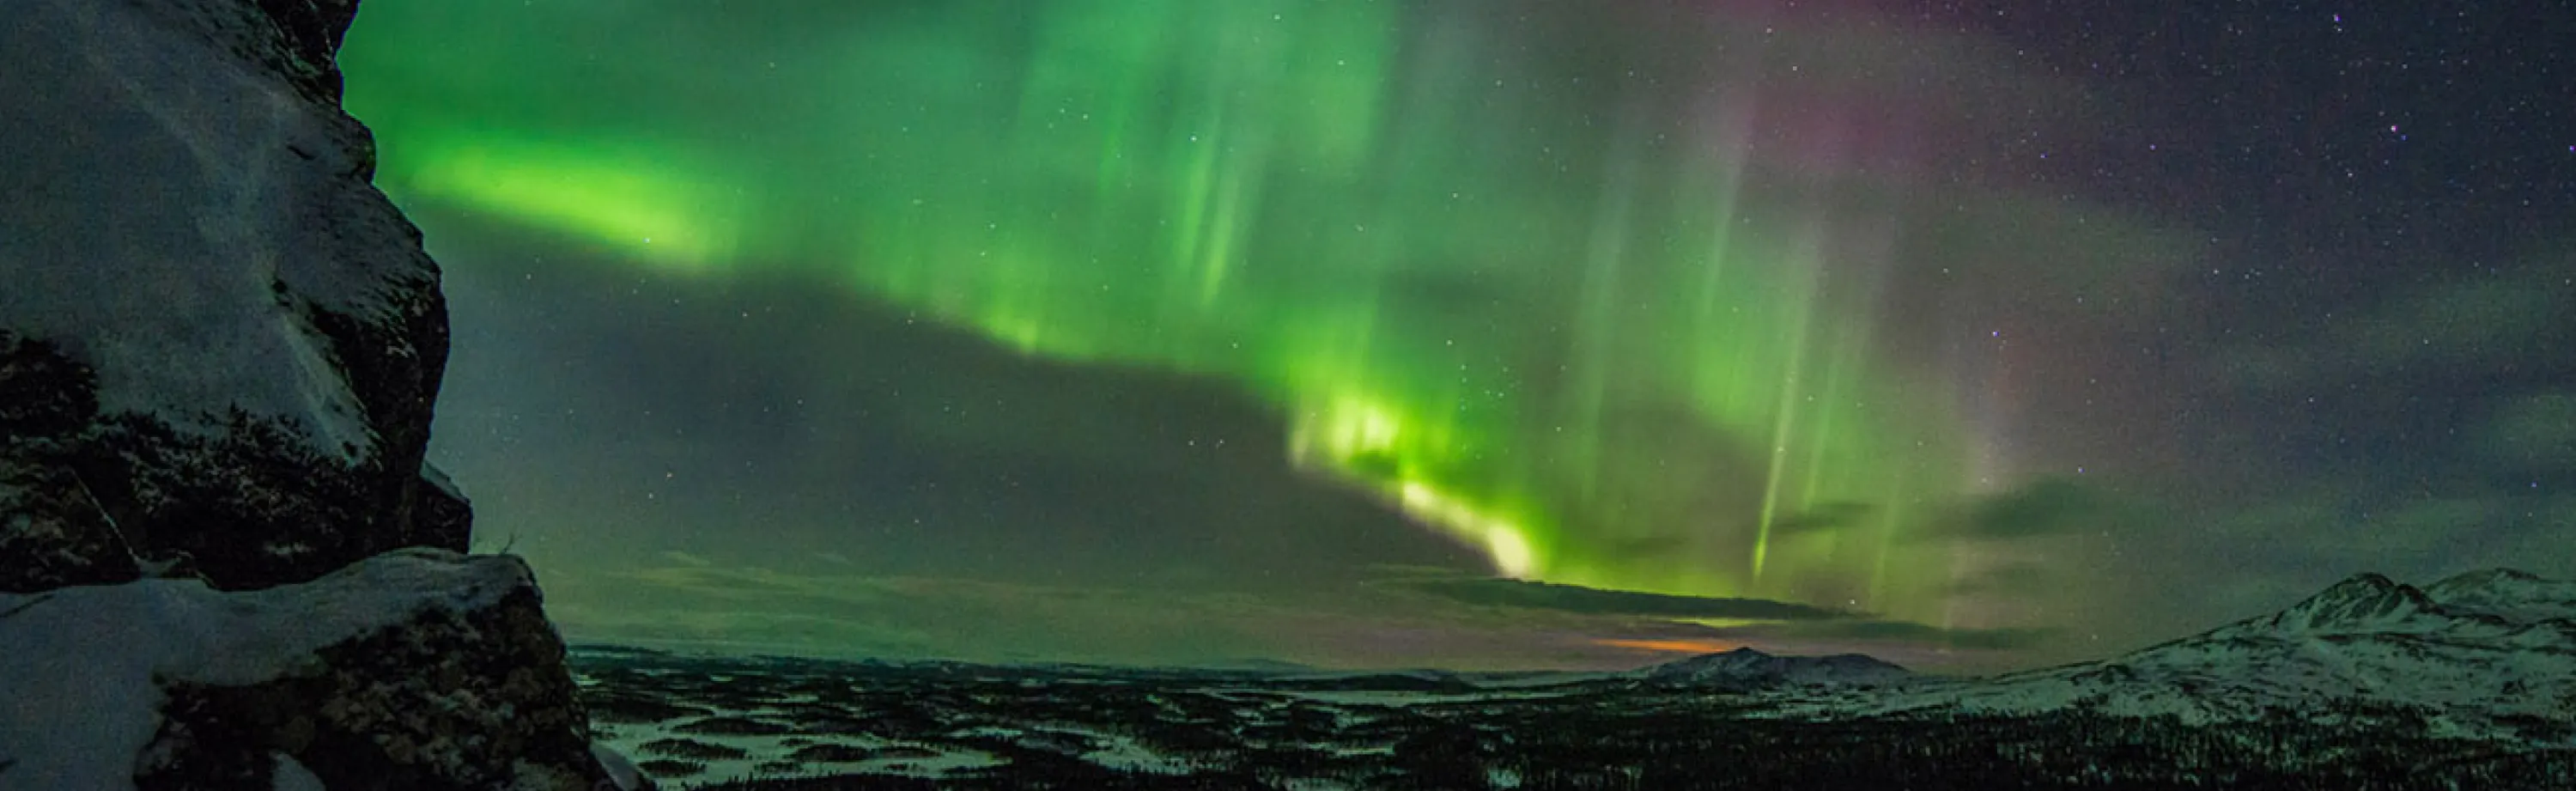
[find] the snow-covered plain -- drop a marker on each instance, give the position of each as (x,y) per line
(2471,675)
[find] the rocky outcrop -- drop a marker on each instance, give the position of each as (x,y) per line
(224,563)
(418,669)
(219,344)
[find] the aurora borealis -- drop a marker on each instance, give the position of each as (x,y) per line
(1727,300)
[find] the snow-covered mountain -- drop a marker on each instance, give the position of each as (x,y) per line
(2508,593)
(1747,669)
(2471,654)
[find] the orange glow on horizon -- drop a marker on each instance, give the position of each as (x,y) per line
(1676,646)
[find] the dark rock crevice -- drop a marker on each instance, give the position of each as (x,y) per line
(54,531)
(84,497)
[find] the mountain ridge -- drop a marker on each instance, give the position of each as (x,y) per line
(1747,669)
(2488,652)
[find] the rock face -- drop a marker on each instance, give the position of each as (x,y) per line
(223,562)
(219,344)
(416,669)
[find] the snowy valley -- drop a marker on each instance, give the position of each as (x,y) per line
(2370,684)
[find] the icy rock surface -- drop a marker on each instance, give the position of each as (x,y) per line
(219,344)
(223,564)
(420,668)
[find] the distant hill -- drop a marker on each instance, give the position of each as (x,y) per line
(1745,669)
(2485,653)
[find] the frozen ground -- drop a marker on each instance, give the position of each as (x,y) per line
(768,723)
(2466,683)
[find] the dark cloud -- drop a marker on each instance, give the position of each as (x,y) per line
(2533,433)
(1916,645)
(2046,507)
(750,419)
(1898,632)
(2019,579)
(2486,328)
(1597,601)
(1825,516)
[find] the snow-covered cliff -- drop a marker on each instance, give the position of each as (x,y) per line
(219,343)
(223,563)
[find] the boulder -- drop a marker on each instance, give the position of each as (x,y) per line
(417,669)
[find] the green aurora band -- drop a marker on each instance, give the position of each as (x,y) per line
(1540,303)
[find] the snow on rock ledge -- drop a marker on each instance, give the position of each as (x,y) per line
(420,668)
(219,344)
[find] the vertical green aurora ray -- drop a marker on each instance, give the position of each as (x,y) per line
(1573,336)
(1784,419)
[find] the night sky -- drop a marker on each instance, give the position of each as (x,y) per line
(1488,333)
